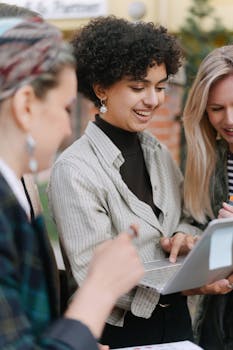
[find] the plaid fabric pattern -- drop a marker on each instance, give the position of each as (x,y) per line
(29,286)
(28,49)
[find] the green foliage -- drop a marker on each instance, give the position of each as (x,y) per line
(201,33)
(50,225)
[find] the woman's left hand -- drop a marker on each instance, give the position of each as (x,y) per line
(223,286)
(226,211)
(179,244)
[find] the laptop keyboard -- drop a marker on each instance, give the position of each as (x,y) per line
(157,276)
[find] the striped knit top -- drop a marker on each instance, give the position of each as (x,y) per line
(230,173)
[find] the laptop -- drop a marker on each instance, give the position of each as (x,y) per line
(181,345)
(211,259)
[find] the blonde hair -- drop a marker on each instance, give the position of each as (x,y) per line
(200,134)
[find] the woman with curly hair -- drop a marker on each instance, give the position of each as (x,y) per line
(117,173)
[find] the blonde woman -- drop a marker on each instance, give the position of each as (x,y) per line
(208,185)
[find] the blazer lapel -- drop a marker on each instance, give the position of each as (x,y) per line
(111,160)
(140,208)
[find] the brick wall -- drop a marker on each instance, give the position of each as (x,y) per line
(165,125)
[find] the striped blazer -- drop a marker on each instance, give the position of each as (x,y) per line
(29,286)
(91,203)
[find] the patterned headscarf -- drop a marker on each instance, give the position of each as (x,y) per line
(28,47)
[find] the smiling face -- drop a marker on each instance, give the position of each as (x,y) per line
(220,108)
(131,103)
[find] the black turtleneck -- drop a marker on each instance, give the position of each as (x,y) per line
(133,171)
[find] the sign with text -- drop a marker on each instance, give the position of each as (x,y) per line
(64,9)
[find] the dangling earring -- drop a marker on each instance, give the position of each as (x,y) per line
(30,146)
(103,107)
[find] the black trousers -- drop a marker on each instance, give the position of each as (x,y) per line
(166,324)
(216,328)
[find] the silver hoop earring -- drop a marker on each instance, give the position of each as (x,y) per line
(30,146)
(103,107)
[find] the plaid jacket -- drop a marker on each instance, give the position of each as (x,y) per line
(29,286)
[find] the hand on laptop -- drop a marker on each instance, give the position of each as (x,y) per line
(179,244)
(223,286)
(226,211)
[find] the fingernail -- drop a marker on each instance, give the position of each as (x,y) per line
(172,259)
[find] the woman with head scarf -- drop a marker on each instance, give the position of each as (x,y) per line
(37,92)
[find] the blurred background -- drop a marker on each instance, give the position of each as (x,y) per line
(201,25)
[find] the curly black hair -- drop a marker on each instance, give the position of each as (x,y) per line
(109,48)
